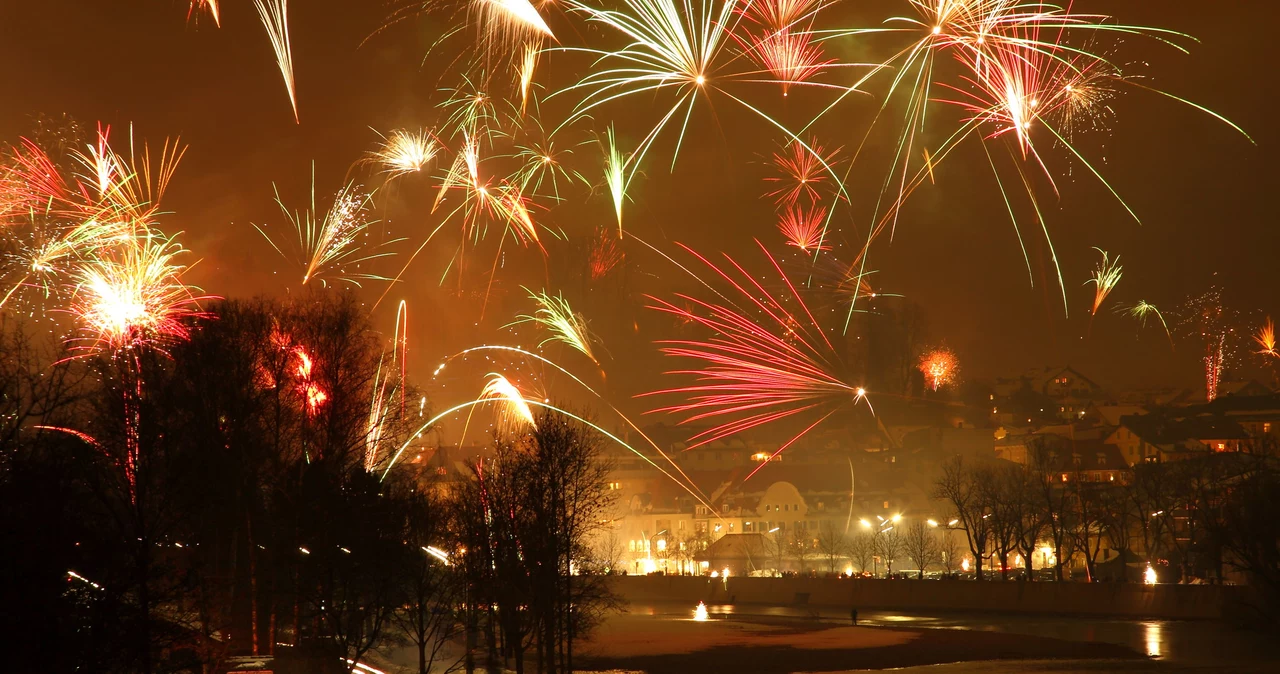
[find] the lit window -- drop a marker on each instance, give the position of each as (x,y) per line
(886,505)
(1266,427)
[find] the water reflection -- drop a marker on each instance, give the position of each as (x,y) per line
(1153,634)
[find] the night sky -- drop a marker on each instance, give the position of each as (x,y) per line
(1203,192)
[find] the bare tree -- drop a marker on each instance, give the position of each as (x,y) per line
(862,551)
(1053,498)
(959,486)
(833,546)
(890,544)
(920,545)
(949,551)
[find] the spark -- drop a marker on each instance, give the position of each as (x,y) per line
(752,372)
(790,56)
(559,319)
(1105,277)
(605,254)
(528,63)
(614,167)
(1266,338)
(801,170)
(511,20)
(274,15)
(132,294)
(514,412)
(1143,310)
(331,246)
(311,391)
(803,228)
(404,152)
(210,6)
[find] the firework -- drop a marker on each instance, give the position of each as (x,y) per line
(780,14)
(939,367)
(311,391)
(331,246)
(379,415)
(614,168)
(802,172)
(753,372)
(791,57)
(274,15)
(1206,319)
(1266,338)
(803,227)
(560,320)
(528,63)
(511,20)
(605,254)
(1144,310)
(132,294)
(210,6)
(404,152)
(514,413)
(1105,277)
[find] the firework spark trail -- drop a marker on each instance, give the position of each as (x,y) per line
(330,247)
(1206,319)
(514,412)
(791,57)
(559,319)
(753,372)
(509,21)
(1142,311)
(802,172)
(605,254)
(207,5)
(615,176)
(1266,338)
(403,152)
(688,484)
(1105,277)
(275,19)
(939,367)
(528,64)
(803,228)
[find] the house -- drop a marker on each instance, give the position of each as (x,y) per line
(1063,383)
(741,554)
(1165,437)
(1090,461)
(1243,389)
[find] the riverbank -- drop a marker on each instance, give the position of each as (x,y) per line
(635,642)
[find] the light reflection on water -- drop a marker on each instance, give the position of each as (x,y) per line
(1154,636)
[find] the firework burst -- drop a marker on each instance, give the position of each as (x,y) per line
(1206,319)
(940,368)
(560,320)
(403,152)
(275,18)
(803,227)
(1105,277)
(753,372)
(333,247)
(1266,339)
(210,6)
(1144,310)
(514,413)
(801,173)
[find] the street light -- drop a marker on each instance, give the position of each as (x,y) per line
(885,525)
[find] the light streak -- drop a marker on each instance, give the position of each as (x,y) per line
(274,15)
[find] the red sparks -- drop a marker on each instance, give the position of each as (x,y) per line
(803,227)
(753,371)
(939,368)
(802,172)
(791,57)
(605,254)
(315,395)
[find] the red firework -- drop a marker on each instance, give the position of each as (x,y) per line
(802,172)
(791,57)
(605,254)
(753,371)
(803,227)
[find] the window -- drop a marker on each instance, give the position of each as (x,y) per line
(680,525)
(731,527)
(1266,427)
(1102,459)
(1064,477)
(886,505)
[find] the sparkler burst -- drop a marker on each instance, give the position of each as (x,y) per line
(753,372)
(275,18)
(605,254)
(132,294)
(210,6)
(403,152)
(615,177)
(508,21)
(514,413)
(563,323)
(803,227)
(1105,277)
(940,367)
(1144,310)
(1266,339)
(334,246)
(801,173)
(1206,319)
